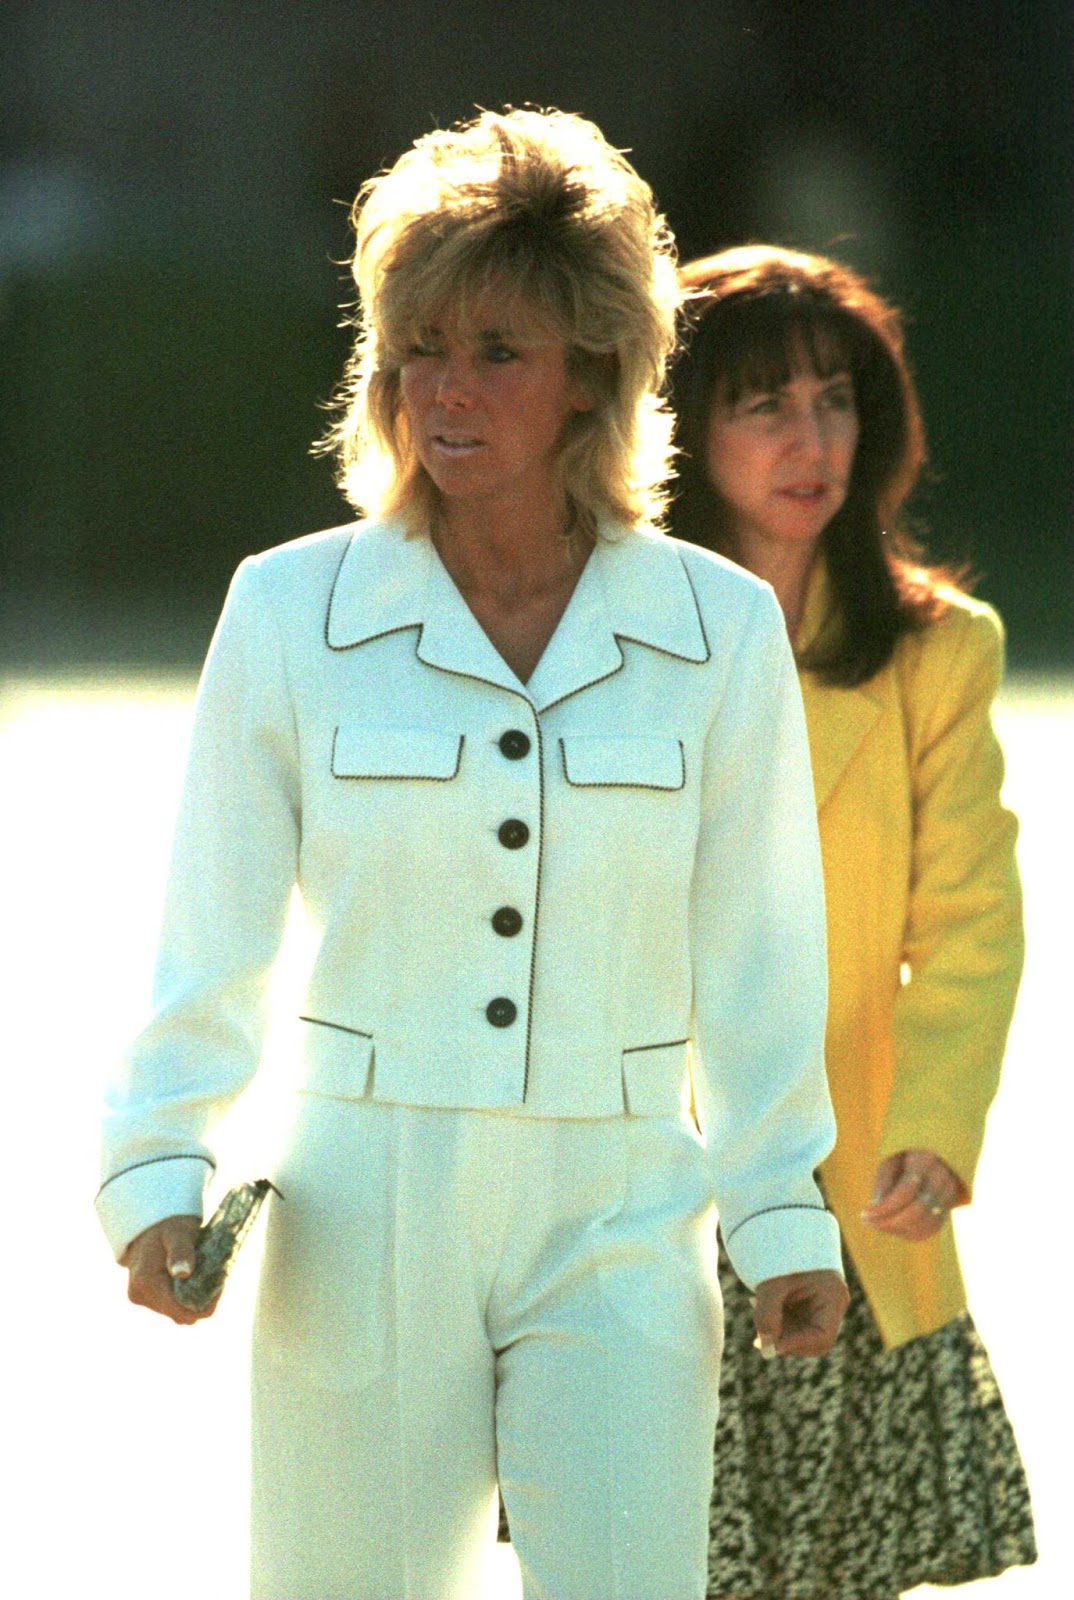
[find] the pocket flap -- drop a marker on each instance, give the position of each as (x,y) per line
(656,1080)
(365,750)
(592,760)
(338,1061)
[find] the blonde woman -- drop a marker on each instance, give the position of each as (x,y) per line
(542,779)
(890,1463)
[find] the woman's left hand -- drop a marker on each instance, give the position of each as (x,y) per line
(913,1193)
(800,1313)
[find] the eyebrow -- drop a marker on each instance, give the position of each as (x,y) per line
(834,380)
(487,336)
(486,333)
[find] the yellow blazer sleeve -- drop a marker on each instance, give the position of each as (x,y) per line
(964,942)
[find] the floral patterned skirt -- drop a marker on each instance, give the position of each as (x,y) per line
(865,1473)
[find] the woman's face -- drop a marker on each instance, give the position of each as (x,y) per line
(488,404)
(781,459)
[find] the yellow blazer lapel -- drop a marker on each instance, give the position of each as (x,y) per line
(837,718)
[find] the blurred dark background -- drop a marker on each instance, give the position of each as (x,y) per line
(172,188)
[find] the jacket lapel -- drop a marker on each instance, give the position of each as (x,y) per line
(634,586)
(379,587)
(388,582)
(452,639)
(583,650)
(837,718)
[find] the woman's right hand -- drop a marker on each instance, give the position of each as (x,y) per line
(156,1257)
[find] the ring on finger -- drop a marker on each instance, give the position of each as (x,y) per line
(932,1204)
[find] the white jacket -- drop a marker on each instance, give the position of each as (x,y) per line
(584,896)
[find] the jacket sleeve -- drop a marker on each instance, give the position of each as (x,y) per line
(234,864)
(760,970)
(964,943)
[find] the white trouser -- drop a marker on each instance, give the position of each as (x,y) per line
(454,1297)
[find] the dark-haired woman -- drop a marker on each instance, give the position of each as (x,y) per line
(891,1462)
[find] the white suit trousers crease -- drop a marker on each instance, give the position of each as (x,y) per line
(455,1299)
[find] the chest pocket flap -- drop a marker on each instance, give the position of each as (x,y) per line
(364,750)
(600,761)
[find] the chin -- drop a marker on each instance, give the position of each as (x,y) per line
(800,535)
(450,480)
(807,525)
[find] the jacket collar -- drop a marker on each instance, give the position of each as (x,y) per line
(837,718)
(634,587)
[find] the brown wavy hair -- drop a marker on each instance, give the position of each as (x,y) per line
(539,203)
(755,312)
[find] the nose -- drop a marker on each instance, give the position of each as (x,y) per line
(455,386)
(807,434)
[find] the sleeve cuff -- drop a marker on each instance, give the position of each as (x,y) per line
(169,1186)
(784,1239)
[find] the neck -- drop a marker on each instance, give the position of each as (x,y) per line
(786,567)
(519,548)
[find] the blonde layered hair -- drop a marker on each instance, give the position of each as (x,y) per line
(537,205)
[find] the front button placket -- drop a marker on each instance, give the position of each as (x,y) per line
(515,780)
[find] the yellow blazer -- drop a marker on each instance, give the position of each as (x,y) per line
(925,942)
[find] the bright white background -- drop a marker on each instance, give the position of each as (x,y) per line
(125,1436)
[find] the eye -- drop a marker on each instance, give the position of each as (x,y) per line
(760,405)
(840,398)
(499,354)
(420,348)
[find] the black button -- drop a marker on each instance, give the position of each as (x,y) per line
(515,744)
(507,921)
(501,1013)
(513,834)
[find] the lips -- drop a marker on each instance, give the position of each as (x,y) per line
(452,444)
(805,491)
